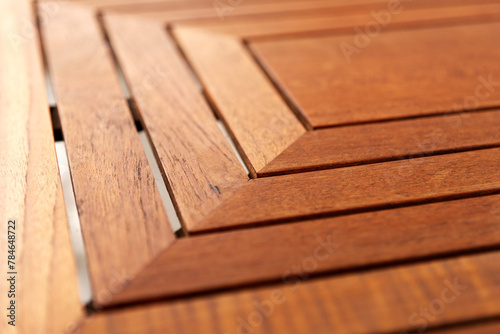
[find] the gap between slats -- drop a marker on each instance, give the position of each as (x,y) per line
(78,244)
(127,93)
(75,229)
(148,146)
(145,141)
(74,226)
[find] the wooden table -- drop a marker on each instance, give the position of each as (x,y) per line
(334,164)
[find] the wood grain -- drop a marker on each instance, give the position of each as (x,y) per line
(259,120)
(336,244)
(327,86)
(382,217)
(460,289)
(151,6)
(290,197)
(368,143)
(198,162)
(166,13)
(46,293)
(335,21)
(123,220)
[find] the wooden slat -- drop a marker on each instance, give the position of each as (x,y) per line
(357,188)
(46,296)
(334,21)
(266,254)
(229,14)
(257,117)
(199,164)
(138,7)
(390,300)
(354,145)
(124,223)
(381,81)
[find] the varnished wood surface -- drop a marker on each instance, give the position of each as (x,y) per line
(433,70)
(331,20)
(206,9)
(151,6)
(399,229)
(199,164)
(415,138)
(379,301)
(257,117)
(366,187)
(171,12)
(123,220)
(224,260)
(46,296)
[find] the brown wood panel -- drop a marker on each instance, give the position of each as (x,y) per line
(226,13)
(343,190)
(200,166)
(341,243)
(257,117)
(123,220)
(399,74)
(149,6)
(46,296)
(390,300)
(369,282)
(263,10)
(367,143)
(226,10)
(331,20)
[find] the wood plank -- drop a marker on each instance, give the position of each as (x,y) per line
(331,20)
(247,11)
(379,301)
(229,14)
(199,165)
(265,254)
(137,7)
(255,114)
(327,86)
(123,219)
(368,143)
(46,295)
(344,190)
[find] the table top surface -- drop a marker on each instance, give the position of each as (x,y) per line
(250,166)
